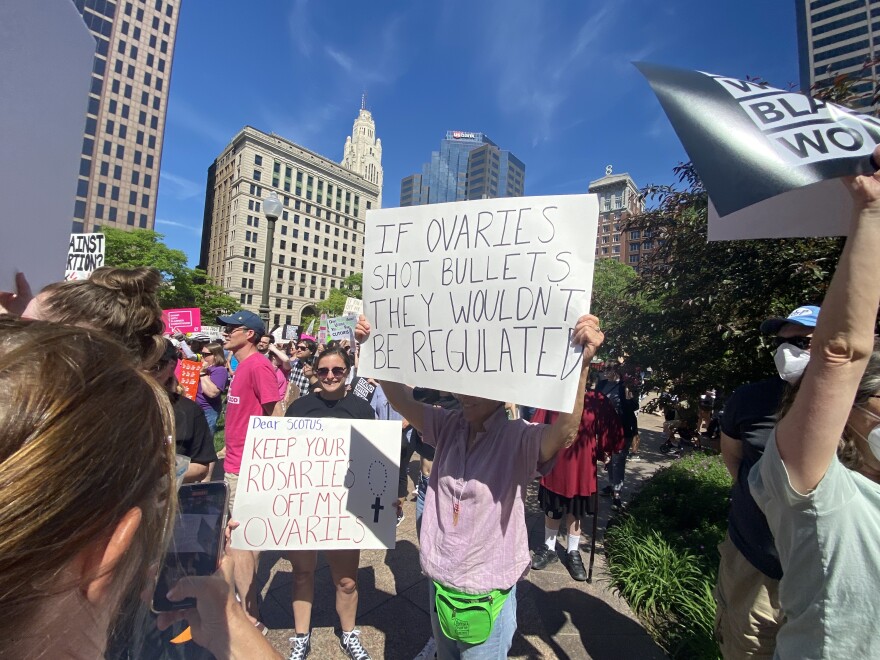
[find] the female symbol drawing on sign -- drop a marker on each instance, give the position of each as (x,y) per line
(373,480)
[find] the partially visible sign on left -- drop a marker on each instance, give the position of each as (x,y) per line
(85,253)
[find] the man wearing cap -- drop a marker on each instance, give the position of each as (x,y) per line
(253,391)
(749,615)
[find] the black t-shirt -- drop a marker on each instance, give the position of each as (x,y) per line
(191,431)
(749,416)
(350,406)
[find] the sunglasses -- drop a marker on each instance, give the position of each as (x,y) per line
(302,348)
(324,371)
(207,355)
(802,343)
(229,329)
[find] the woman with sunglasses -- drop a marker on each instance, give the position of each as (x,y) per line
(331,369)
(212,383)
(818,481)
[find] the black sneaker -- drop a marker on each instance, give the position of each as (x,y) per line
(300,646)
(617,503)
(543,557)
(575,566)
(351,645)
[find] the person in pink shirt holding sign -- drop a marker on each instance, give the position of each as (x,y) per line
(474,543)
(254,391)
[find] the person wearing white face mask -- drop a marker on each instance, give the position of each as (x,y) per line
(818,481)
(747,592)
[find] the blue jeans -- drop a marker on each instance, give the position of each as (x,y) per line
(495,647)
(211,415)
(618,466)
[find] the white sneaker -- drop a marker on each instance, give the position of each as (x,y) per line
(429,652)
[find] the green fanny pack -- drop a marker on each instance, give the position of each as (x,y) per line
(465,617)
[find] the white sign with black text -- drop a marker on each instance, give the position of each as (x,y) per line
(480,297)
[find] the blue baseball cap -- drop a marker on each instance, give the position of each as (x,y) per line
(244,318)
(806,316)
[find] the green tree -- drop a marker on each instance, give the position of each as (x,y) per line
(334,303)
(706,300)
(183,286)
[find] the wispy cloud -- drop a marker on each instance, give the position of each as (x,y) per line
(181,187)
(343,60)
(182,225)
(301,126)
(302,35)
(205,126)
(539,64)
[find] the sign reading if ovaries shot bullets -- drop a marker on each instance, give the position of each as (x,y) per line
(480,297)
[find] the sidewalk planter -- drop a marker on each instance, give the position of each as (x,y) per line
(663,555)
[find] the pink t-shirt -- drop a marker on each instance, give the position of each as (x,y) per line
(281,379)
(253,386)
(488,548)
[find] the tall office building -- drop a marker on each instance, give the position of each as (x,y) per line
(467,166)
(839,36)
(125,121)
(619,198)
(319,238)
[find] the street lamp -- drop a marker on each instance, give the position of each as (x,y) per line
(272,209)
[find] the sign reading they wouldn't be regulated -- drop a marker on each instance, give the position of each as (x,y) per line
(481,297)
(317,484)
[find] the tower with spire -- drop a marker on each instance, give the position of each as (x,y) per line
(363,150)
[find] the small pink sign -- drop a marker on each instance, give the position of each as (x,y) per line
(182,320)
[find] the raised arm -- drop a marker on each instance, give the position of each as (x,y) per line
(282,358)
(399,396)
(563,431)
(808,435)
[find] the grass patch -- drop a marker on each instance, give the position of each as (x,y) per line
(220,432)
(663,554)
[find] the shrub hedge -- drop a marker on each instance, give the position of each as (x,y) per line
(663,554)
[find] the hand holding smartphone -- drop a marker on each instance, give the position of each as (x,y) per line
(197,542)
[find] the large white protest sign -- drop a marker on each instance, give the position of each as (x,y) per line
(46,60)
(480,297)
(317,484)
(85,253)
(771,160)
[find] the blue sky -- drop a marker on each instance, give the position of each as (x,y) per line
(551,81)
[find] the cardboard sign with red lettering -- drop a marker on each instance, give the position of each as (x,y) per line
(189,377)
(317,484)
(182,320)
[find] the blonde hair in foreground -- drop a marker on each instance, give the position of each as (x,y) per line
(83,440)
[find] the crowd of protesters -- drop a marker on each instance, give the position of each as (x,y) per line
(94,416)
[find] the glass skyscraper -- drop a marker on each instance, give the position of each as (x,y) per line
(467,166)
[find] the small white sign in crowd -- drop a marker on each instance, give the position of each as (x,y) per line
(317,484)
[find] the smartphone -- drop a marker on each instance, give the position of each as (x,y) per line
(197,540)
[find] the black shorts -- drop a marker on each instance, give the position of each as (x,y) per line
(555,506)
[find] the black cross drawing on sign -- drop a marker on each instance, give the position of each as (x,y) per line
(377,507)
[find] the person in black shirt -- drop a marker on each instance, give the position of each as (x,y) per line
(192,435)
(749,614)
(332,368)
